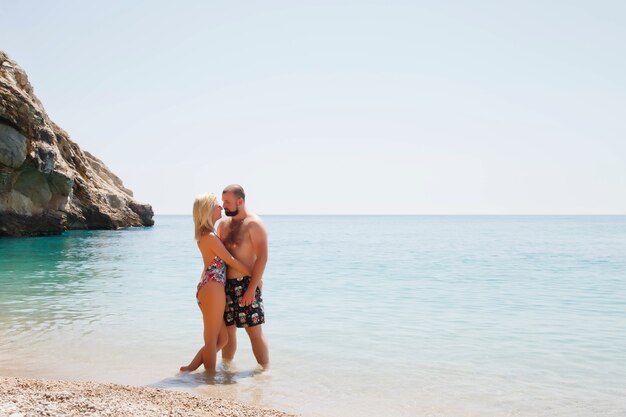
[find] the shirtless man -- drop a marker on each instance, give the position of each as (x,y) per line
(244,235)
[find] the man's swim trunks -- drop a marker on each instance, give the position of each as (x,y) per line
(235,313)
(216,271)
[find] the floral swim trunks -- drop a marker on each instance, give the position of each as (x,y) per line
(235,313)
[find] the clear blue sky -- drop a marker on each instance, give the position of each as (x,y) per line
(363,107)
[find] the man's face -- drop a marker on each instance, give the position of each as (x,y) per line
(230,204)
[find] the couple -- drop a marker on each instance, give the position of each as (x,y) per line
(229,292)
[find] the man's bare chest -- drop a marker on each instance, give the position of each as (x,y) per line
(236,235)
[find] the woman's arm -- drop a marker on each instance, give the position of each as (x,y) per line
(220,250)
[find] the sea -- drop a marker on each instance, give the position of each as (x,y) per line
(365,315)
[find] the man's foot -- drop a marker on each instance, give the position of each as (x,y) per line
(228,365)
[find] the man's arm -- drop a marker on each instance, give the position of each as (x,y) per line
(258,236)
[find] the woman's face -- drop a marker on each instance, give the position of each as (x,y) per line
(217,213)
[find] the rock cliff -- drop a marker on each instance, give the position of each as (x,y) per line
(47,183)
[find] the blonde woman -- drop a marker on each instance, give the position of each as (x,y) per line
(210,293)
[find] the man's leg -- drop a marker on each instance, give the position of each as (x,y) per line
(259,345)
(228,351)
(222,339)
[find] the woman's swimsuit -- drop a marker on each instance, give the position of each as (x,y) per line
(216,271)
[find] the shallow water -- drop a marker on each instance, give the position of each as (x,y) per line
(369,316)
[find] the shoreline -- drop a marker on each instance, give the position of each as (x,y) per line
(30,397)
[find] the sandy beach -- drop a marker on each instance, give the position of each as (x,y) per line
(33,397)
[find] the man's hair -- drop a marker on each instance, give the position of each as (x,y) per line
(237,191)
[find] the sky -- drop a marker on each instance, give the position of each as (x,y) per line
(340,107)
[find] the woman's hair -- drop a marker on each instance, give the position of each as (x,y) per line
(203,207)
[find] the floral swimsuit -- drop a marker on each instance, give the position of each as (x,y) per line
(216,271)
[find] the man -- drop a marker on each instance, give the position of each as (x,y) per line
(245,237)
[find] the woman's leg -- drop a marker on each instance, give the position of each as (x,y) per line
(195,363)
(212,302)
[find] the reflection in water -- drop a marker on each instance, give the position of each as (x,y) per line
(250,385)
(227,375)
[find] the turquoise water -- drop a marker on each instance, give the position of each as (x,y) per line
(368,316)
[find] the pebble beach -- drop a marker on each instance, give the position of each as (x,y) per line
(36,397)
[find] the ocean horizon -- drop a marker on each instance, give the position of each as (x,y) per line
(417,215)
(369,315)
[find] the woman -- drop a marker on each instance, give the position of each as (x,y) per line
(210,294)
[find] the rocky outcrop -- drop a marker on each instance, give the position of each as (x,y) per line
(47,183)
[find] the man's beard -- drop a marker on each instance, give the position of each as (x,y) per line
(231,213)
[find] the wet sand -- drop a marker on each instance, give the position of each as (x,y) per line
(35,397)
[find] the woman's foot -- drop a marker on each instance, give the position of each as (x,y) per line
(195,362)
(188,368)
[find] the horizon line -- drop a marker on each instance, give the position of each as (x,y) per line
(414,214)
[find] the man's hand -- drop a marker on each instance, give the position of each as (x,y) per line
(248,296)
